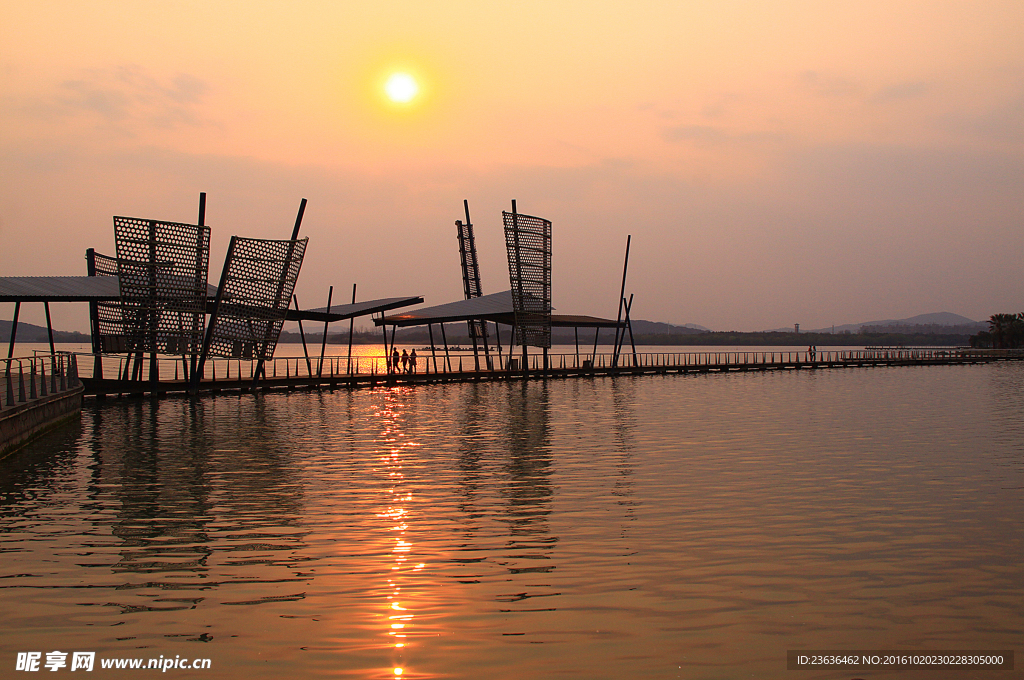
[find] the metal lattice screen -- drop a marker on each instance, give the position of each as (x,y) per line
(528,243)
(470,275)
(162,269)
(257,286)
(112,335)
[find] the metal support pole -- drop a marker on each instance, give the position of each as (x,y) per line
(628,327)
(302,334)
(280,287)
(323,343)
(394,364)
(49,326)
(351,326)
(153,318)
(94,317)
(298,219)
(620,337)
(512,341)
(433,350)
(466,282)
(194,355)
(487,349)
(622,295)
(447,356)
(14,329)
(387,356)
(49,332)
(197,376)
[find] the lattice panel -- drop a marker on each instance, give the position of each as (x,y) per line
(477,330)
(528,243)
(470,275)
(108,314)
(258,286)
(162,269)
(470,266)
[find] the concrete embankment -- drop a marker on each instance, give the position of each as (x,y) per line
(40,393)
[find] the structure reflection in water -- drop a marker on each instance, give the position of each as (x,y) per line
(620,527)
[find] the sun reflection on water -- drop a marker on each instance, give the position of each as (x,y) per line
(396,514)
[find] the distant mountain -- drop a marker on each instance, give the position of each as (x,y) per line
(28,332)
(655,327)
(936,322)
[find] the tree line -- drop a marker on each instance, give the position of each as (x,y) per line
(1005,331)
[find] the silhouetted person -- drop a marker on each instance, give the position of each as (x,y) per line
(395,359)
(412,361)
(405,361)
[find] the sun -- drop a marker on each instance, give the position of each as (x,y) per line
(401,88)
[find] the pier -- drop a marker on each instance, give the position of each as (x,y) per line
(332,372)
(159,327)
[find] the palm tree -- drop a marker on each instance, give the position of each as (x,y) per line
(1015,332)
(999,325)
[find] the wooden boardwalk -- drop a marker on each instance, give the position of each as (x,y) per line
(292,373)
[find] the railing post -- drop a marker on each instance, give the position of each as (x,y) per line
(32,379)
(21,382)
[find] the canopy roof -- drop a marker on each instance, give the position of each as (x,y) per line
(106,289)
(341,312)
(65,289)
(495,307)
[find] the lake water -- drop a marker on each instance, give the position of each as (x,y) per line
(694,526)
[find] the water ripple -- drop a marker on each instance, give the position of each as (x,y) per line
(605,528)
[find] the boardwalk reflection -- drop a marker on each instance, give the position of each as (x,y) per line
(624,424)
(194,496)
(527,487)
(472,423)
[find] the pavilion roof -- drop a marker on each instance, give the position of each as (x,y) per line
(65,289)
(351,310)
(495,307)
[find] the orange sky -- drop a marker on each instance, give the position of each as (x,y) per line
(776,163)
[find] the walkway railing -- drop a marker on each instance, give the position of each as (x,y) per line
(125,369)
(26,379)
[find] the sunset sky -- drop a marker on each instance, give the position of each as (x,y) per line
(775,162)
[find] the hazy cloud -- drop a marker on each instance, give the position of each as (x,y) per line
(127,97)
(829,85)
(1003,124)
(901,91)
(705,134)
(708,135)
